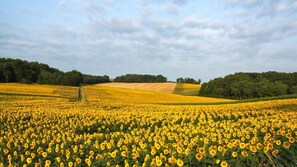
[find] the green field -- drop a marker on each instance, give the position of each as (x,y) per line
(187,89)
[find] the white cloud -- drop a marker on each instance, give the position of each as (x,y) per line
(92,6)
(95,41)
(171,9)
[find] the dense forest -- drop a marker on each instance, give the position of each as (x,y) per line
(16,70)
(188,80)
(138,78)
(251,85)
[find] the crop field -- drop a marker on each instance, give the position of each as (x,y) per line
(123,95)
(159,87)
(125,127)
(187,89)
(38,90)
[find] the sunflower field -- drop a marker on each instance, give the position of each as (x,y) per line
(112,129)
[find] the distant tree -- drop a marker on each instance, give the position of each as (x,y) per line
(134,78)
(294,89)
(91,79)
(16,70)
(180,80)
(280,88)
(73,78)
(243,89)
(251,85)
(160,78)
(188,80)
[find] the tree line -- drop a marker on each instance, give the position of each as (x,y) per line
(251,85)
(21,71)
(188,80)
(139,78)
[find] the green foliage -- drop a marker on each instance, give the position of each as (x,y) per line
(89,79)
(16,70)
(251,85)
(188,80)
(139,78)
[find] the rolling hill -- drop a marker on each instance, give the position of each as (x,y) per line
(158,87)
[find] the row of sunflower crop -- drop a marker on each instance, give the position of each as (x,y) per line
(34,89)
(55,132)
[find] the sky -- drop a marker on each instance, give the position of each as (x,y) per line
(176,38)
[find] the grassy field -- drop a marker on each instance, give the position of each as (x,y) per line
(187,89)
(125,127)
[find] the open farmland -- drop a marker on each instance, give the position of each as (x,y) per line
(125,127)
(125,95)
(158,87)
(38,90)
(187,89)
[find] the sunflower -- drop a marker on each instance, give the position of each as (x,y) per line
(6,151)
(234,154)
(44,154)
(180,162)
(70,164)
(33,155)
(218,161)
(199,156)
(253,149)
(270,146)
(286,145)
(224,164)
(244,154)
(78,160)
(278,142)
(202,150)
(157,146)
(220,148)
(275,152)
(113,154)
(153,152)
(88,161)
(212,152)
(91,152)
(166,151)
(179,150)
(242,145)
(158,162)
(29,160)
(259,146)
(172,160)
(123,153)
(47,163)
(291,140)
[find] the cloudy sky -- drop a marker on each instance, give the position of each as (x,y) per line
(176,38)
